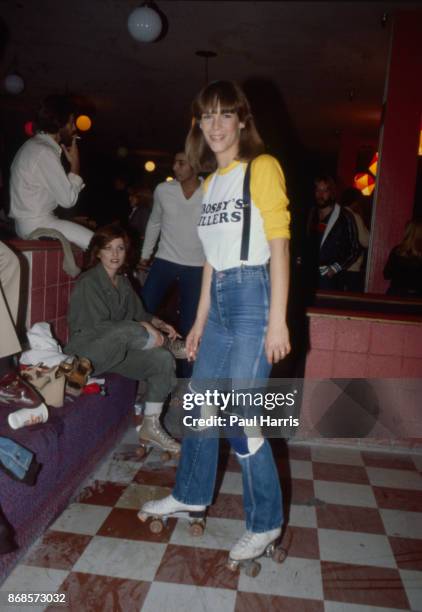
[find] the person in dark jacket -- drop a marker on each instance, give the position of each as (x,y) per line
(333,244)
(109,326)
(404,264)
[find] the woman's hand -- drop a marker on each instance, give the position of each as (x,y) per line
(277,343)
(193,339)
(166,328)
(159,340)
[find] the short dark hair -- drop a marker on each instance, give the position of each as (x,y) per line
(328,180)
(54,113)
(102,237)
(231,98)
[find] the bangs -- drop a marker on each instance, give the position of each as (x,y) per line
(221,94)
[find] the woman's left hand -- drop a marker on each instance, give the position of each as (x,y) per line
(277,343)
(166,328)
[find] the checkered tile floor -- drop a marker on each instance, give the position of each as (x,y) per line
(354,539)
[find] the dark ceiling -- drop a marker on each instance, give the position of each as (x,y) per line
(320,65)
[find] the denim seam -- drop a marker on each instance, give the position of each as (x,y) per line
(249,480)
(266,306)
(188,481)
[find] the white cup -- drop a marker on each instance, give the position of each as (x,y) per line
(28,416)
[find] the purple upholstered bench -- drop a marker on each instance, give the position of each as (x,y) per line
(69,445)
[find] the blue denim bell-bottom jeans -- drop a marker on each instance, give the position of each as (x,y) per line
(232,347)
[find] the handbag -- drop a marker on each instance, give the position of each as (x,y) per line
(49,382)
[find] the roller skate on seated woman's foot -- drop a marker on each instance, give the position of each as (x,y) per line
(251,547)
(152,435)
(161,510)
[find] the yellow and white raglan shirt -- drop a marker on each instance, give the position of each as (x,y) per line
(221,221)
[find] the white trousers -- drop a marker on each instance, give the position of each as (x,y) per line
(9,301)
(75,233)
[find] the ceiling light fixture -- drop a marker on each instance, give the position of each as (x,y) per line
(144,23)
(83,123)
(14,84)
(149,166)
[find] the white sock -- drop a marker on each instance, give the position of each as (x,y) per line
(153,408)
(254,444)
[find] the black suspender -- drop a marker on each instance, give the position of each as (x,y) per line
(246,229)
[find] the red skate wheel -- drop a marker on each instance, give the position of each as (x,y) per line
(196,529)
(141,452)
(253,569)
(156,526)
(165,456)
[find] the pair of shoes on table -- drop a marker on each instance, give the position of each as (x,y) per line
(176,347)
(77,373)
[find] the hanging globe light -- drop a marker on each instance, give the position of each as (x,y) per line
(14,84)
(83,123)
(144,24)
(149,166)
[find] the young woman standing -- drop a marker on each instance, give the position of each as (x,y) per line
(240,328)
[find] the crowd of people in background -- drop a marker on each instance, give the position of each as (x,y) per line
(46,180)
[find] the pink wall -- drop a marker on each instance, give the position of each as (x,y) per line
(368,348)
(347,347)
(49,286)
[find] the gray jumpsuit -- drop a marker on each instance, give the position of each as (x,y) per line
(104,327)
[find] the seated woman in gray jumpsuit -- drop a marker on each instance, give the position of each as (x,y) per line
(109,325)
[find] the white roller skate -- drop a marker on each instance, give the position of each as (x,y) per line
(152,435)
(159,511)
(251,547)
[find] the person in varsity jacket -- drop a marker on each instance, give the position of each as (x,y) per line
(333,243)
